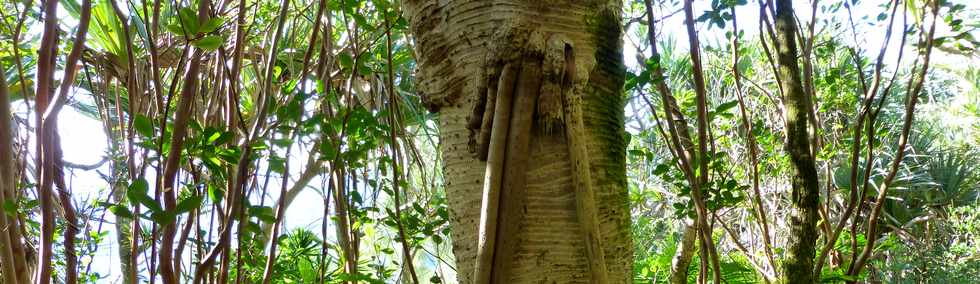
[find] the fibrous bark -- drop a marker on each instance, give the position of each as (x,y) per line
(543,232)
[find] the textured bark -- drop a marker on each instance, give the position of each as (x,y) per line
(46,64)
(64,192)
(798,264)
(681,263)
(494,174)
(456,45)
(11,262)
(513,192)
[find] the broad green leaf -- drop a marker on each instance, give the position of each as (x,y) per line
(219,138)
(264,213)
(725,106)
(143,125)
(121,211)
(211,25)
(215,193)
(277,165)
(209,43)
(187,18)
(189,204)
(162,217)
(10,207)
(346,61)
(137,194)
(175,28)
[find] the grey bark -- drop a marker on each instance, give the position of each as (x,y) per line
(455,41)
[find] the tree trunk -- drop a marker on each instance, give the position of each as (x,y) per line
(124,233)
(681,263)
(13,261)
(565,75)
(798,264)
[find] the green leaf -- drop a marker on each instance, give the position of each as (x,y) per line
(10,207)
(283,142)
(120,211)
(363,69)
(187,18)
(678,206)
(327,151)
(175,28)
(143,125)
(137,194)
(277,165)
(136,190)
(163,217)
(219,138)
(229,155)
(321,88)
(195,125)
(264,213)
(882,16)
(215,193)
(211,25)
(725,106)
(346,61)
(209,43)
(705,17)
(189,204)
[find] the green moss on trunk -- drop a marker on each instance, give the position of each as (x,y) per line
(603,105)
(603,97)
(798,264)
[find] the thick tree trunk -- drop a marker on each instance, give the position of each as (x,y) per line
(798,264)
(545,234)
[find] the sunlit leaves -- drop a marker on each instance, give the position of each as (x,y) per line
(120,211)
(211,147)
(724,110)
(264,213)
(190,203)
(187,24)
(215,193)
(211,25)
(137,193)
(143,125)
(719,13)
(187,20)
(210,43)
